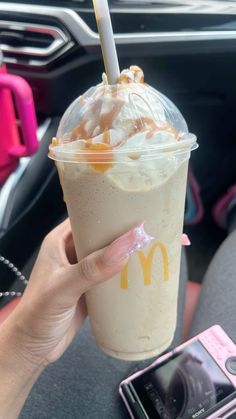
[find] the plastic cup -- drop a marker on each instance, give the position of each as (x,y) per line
(112,184)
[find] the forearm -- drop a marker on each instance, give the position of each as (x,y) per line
(18,372)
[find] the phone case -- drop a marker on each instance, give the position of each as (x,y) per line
(220,347)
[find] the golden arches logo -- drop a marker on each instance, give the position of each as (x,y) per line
(146,264)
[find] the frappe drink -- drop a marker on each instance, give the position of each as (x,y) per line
(122,155)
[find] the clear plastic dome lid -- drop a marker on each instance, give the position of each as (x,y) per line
(130,115)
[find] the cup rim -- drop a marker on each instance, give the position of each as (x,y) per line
(58,153)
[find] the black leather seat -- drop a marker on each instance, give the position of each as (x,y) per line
(33,207)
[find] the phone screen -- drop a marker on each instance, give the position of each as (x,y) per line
(185,386)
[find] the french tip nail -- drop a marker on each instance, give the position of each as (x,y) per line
(140,225)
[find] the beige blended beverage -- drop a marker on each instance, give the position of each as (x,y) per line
(122,155)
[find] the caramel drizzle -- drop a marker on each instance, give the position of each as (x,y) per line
(104,122)
(165,127)
(145,123)
(106,137)
(137,73)
(98,159)
(54,142)
(80,131)
(106,119)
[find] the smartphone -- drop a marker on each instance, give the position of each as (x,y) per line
(196,380)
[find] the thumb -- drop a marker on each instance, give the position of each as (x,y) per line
(105,263)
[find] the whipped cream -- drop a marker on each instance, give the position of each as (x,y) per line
(129,115)
(129,123)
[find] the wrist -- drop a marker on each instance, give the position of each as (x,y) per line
(15,348)
(19,371)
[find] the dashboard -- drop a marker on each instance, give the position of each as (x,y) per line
(50,43)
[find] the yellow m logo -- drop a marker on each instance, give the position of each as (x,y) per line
(146,264)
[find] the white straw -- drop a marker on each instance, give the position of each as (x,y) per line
(107,40)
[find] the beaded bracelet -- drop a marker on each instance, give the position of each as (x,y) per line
(18,274)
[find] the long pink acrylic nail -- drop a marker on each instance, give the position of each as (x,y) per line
(130,242)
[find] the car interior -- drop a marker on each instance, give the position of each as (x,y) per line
(187,50)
